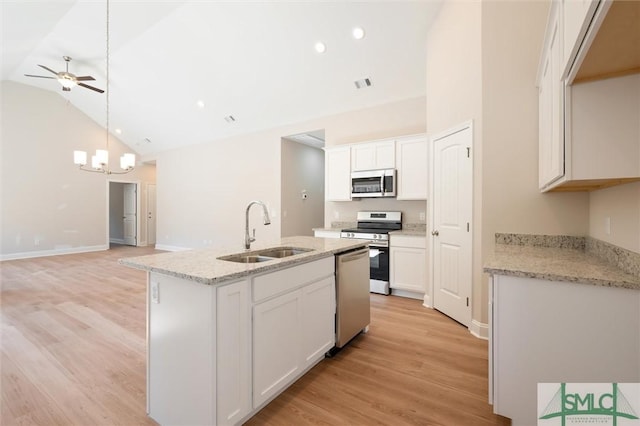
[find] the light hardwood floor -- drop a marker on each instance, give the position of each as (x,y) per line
(73,353)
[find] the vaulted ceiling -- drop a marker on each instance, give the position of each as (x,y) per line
(178,68)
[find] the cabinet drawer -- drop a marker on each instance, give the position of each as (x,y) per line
(274,283)
(410,241)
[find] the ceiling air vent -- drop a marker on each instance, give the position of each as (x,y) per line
(360,84)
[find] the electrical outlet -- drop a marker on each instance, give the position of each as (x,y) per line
(422,216)
(336,215)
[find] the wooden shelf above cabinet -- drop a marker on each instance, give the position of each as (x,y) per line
(615,51)
(591,184)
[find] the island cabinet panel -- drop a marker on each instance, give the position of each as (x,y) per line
(293,325)
(181,336)
(233,352)
(276,349)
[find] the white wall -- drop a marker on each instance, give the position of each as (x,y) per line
(302,169)
(48,205)
(203,190)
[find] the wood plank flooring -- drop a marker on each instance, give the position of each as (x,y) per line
(73,353)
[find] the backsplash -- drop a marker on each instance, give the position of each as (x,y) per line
(624,259)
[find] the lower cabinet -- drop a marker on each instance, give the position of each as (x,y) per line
(218,353)
(557,332)
(408,264)
(291,331)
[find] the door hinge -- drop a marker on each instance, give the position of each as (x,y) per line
(468,152)
(467,226)
(467,301)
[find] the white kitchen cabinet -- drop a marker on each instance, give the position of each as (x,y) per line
(233,352)
(408,265)
(337,174)
(551,104)
(411,164)
(557,332)
(326,233)
(373,155)
(182,324)
(589,100)
(276,350)
(293,325)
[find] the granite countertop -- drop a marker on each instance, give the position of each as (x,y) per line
(558,264)
(202,265)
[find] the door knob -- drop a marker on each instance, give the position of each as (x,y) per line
(435,233)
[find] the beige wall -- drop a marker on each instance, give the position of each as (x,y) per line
(482,61)
(621,204)
(203,190)
(48,206)
(302,169)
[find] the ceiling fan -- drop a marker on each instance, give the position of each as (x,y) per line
(67,79)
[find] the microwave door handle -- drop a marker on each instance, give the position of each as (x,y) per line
(382,184)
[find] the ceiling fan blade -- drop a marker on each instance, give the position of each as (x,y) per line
(39,76)
(91,87)
(85,78)
(48,69)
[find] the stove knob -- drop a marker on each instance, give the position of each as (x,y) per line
(376,236)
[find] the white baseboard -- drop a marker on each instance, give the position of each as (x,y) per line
(116,240)
(479,329)
(170,248)
(408,294)
(53,252)
(427,301)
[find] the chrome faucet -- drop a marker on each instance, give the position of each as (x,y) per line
(247,238)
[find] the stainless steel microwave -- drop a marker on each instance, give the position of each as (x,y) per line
(373,183)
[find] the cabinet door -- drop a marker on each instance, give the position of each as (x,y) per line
(407,269)
(551,109)
(338,174)
(276,345)
(233,351)
(411,162)
(373,155)
(576,16)
(318,320)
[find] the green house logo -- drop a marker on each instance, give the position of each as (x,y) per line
(586,406)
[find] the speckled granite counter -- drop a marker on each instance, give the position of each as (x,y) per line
(202,265)
(565,260)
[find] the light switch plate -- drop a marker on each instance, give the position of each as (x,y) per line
(155,292)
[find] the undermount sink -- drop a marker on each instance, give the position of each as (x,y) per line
(264,255)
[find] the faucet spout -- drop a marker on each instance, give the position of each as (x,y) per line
(248,239)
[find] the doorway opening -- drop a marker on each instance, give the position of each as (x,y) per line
(123,206)
(302,183)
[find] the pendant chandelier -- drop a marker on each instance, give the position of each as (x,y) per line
(100,161)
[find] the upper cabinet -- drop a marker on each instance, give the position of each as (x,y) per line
(337,174)
(589,96)
(411,162)
(373,155)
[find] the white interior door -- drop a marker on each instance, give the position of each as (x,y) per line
(452,214)
(129,215)
(151,214)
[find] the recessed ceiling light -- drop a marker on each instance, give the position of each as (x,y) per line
(320,47)
(200,104)
(119,131)
(358,33)
(229,119)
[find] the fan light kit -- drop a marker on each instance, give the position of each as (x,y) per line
(66,79)
(100,161)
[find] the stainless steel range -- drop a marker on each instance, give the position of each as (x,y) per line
(375,227)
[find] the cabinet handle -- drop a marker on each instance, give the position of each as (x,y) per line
(435,233)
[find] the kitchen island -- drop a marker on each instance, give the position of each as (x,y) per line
(225,338)
(559,312)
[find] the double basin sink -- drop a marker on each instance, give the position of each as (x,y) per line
(264,255)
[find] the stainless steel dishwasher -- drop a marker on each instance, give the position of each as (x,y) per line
(353,313)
